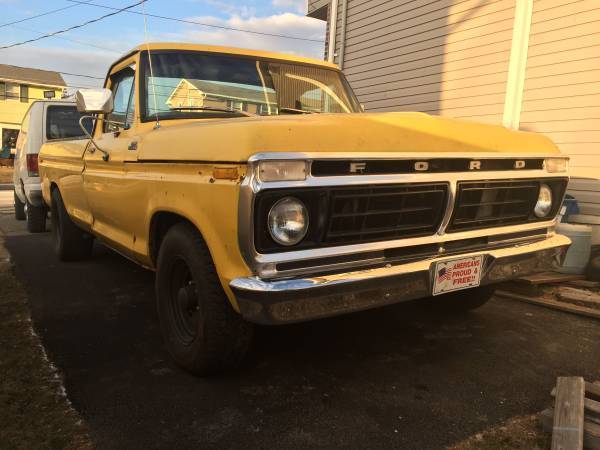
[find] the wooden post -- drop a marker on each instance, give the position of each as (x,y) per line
(567,433)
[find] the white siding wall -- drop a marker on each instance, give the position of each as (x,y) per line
(442,57)
(562,84)
(562,88)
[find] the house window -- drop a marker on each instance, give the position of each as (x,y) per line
(24,93)
(12,91)
(2,91)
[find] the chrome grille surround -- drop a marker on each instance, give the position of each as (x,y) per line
(265,265)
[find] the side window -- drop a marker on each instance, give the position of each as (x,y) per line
(122,86)
(62,122)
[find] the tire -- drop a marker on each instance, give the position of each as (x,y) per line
(70,242)
(36,218)
(465,300)
(19,207)
(202,332)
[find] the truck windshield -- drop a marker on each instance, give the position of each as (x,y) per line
(193,84)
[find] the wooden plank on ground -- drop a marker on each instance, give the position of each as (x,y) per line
(561,306)
(592,390)
(550,277)
(580,296)
(591,431)
(585,284)
(567,431)
(591,408)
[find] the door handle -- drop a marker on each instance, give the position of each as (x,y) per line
(132,146)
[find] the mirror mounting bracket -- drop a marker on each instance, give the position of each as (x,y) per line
(105,154)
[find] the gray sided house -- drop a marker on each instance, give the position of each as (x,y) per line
(526,64)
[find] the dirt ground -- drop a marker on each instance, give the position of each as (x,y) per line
(523,432)
(6,175)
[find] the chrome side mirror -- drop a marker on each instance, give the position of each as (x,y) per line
(94,101)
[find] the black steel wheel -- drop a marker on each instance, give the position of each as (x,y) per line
(184,305)
(202,331)
(70,242)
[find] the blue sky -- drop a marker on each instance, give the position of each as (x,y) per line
(90,50)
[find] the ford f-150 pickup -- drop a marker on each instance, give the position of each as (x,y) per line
(260,193)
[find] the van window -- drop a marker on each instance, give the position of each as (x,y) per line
(62,122)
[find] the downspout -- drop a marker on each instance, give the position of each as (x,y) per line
(343,33)
(332,30)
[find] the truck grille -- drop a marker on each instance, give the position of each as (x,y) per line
(357,214)
(498,203)
(377,213)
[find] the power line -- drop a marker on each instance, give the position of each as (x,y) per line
(193,22)
(36,16)
(76,41)
(80,75)
(74,26)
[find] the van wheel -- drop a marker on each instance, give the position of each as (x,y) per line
(70,243)
(202,332)
(36,218)
(19,207)
(465,300)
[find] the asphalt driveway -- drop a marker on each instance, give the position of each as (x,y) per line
(397,377)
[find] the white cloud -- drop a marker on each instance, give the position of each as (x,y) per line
(287,24)
(296,5)
(232,9)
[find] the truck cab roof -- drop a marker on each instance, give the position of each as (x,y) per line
(159,46)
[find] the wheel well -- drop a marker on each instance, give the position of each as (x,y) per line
(159,225)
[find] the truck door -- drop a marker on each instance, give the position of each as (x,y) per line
(113,193)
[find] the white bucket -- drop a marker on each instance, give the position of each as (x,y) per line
(593,221)
(579,252)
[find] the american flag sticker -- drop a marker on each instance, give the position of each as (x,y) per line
(444,274)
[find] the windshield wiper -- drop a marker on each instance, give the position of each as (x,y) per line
(298,111)
(211,108)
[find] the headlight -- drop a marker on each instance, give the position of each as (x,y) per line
(288,221)
(555,165)
(544,202)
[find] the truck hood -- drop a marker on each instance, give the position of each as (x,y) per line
(236,139)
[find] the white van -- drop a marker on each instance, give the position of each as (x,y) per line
(45,120)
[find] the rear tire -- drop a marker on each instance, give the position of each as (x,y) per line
(36,218)
(465,300)
(19,207)
(70,242)
(202,332)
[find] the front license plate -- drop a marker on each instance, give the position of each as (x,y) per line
(457,274)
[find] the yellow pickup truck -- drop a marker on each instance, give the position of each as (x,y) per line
(260,193)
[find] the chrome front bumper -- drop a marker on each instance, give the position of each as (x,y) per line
(302,299)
